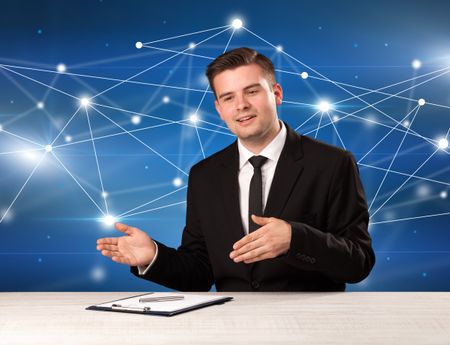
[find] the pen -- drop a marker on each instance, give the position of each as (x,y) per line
(161,299)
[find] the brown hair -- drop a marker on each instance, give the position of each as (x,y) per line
(236,58)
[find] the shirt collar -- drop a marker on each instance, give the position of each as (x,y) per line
(272,151)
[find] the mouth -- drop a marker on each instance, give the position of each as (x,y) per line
(245,119)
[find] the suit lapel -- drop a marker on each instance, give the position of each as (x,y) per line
(287,172)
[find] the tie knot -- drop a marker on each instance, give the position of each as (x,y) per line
(257,161)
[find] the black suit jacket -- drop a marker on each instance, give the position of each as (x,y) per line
(316,188)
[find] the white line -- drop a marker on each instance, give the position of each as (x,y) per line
(410,218)
(21,138)
(23,186)
(155,209)
(136,138)
(79,185)
(335,129)
(67,123)
(152,201)
(175,51)
(96,161)
(188,34)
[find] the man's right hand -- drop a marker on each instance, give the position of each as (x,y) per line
(135,249)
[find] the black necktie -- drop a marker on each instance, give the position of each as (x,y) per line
(255,194)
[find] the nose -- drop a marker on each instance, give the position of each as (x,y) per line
(242,103)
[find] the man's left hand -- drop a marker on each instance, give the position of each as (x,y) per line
(272,239)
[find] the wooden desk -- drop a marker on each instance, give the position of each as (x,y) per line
(258,318)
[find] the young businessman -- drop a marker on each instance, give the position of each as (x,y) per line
(274,211)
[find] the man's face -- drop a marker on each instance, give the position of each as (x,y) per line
(247,103)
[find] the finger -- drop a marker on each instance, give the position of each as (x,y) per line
(261,220)
(107,240)
(110,253)
(247,247)
(247,239)
(267,255)
(251,254)
(129,230)
(120,259)
(110,247)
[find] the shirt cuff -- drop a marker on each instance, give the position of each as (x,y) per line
(143,269)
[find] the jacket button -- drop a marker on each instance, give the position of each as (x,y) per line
(255,285)
(313,260)
(300,256)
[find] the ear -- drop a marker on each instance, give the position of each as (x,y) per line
(278,92)
(218,109)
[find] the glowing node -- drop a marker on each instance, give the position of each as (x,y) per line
(324,106)
(443,194)
(166,99)
(136,119)
(61,68)
(139,45)
(177,182)
(421,102)
(40,105)
(30,156)
(48,148)
(85,101)
(109,220)
(237,23)
(416,64)
(443,143)
(1,128)
(104,195)
(193,118)
(406,123)
(68,138)
(304,75)
(192,45)
(280,48)
(98,274)
(335,118)
(6,215)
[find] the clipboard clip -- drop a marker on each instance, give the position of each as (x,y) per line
(124,307)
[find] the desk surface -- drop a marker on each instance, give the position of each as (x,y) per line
(262,318)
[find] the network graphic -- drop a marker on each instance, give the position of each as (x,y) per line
(123,141)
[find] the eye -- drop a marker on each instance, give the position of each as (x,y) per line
(252,91)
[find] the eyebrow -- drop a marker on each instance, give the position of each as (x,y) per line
(245,88)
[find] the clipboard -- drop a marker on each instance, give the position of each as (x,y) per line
(160,306)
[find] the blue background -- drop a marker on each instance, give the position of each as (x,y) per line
(48,236)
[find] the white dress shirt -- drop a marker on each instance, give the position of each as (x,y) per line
(272,152)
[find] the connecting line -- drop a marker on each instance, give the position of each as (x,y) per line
(38,82)
(96,161)
(393,158)
(105,78)
(411,218)
(19,152)
(305,122)
(318,126)
(79,185)
(335,129)
(340,87)
(188,34)
(21,138)
(157,64)
(154,209)
(404,174)
(392,129)
(23,186)
(175,51)
(65,126)
(139,140)
(150,202)
(412,175)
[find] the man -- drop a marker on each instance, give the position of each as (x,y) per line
(274,211)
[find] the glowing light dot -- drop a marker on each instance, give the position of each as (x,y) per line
(1,128)
(236,23)
(40,105)
(324,106)
(177,182)
(421,102)
(68,138)
(280,48)
(304,75)
(85,101)
(98,274)
(136,119)
(335,118)
(443,143)
(416,64)
(192,45)
(109,220)
(139,45)
(406,123)
(48,148)
(104,195)
(61,68)
(166,99)
(193,118)
(443,194)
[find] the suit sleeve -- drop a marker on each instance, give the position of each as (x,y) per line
(343,251)
(186,268)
